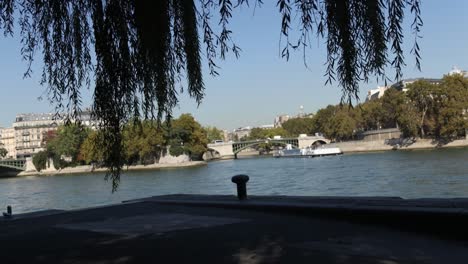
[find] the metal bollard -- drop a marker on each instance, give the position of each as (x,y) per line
(241,182)
(9,212)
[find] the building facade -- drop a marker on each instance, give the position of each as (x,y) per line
(7,141)
(402,85)
(241,132)
(31,129)
(279,120)
(376,93)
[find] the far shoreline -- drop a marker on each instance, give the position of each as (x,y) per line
(89,170)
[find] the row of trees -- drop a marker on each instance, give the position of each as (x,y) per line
(143,142)
(425,110)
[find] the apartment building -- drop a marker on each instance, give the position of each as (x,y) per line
(7,141)
(30,130)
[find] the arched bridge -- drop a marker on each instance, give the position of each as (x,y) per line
(239,146)
(229,149)
(19,164)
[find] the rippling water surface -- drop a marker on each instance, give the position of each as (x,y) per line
(409,174)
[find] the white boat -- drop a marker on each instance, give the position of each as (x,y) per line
(307,152)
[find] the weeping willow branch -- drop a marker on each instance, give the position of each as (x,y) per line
(139,52)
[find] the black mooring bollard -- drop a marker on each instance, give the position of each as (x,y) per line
(9,212)
(241,182)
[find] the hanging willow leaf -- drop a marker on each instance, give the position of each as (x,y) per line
(138,52)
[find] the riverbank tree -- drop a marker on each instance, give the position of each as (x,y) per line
(90,152)
(144,141)
(265,133)
(3,151)
(40,160)
(213,133)
(300,125)
(186,136)
(426,110)
(63,145)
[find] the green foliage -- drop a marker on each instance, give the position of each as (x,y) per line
(213,133)
(264,133)
(256,133)
(408,120)
(336,122)
(421,95)
(143,142)
(187,136)
(437,111)
(372,115)
(40,160)
(296,126)
(441,107)
(90,151)
(451,103)
(68,141)
(3,152)
(342,125)
(391,102)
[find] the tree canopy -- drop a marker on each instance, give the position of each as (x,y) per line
(296,126)
(213,133)
(139,52)
(426,110)
(3,152)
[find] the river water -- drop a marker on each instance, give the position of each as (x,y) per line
(408,174)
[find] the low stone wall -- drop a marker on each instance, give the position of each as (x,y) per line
(211,154)
(169,159)
(395,144)
(381,134)
(90,169)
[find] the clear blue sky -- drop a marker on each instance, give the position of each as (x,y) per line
(259,85)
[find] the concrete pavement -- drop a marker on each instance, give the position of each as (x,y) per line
(220,229)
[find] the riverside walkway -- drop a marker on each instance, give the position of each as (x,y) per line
(221,229)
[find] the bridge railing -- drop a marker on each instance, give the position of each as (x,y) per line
(239,146)
(19,164)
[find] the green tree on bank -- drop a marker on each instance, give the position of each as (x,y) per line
(3,152)
(264,133)
(437,111)
(213,133)
(40,160)
(143,143)
(68,141)
(90,150)
(426,110)
(296,126)
(63,144)
(186,136)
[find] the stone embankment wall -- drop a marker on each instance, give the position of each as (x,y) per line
(211,154)
(167,159)
(395,144)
